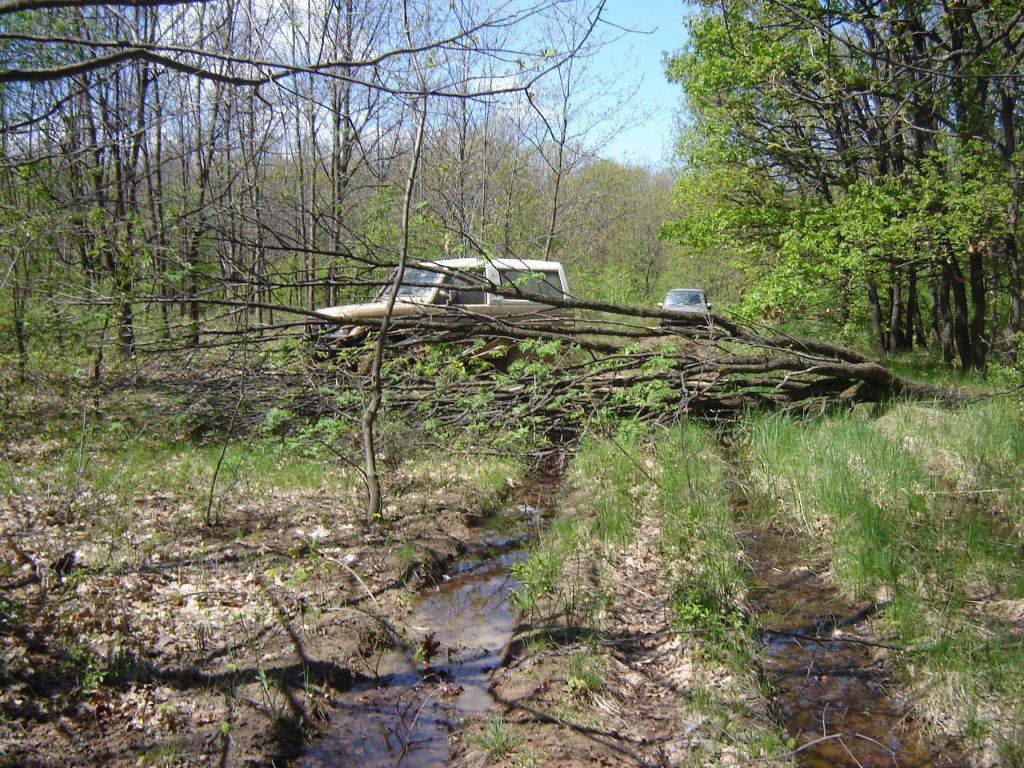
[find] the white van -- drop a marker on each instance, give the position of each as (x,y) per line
(456,290)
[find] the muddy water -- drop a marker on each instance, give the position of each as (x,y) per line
(459,628)
(833,692)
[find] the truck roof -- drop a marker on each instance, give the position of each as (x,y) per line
(468,262)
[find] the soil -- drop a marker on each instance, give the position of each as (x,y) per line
(160,634)
(145,640)
(648,700)
(155,636)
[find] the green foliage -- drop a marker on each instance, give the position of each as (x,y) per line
(276,421)
(646,396)
(537,576)
(611,250)
(694,607)
(89,670)
(786,175)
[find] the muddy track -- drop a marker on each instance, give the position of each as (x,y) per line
(828,666)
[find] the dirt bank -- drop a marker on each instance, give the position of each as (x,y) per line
(141,635)
(611,683)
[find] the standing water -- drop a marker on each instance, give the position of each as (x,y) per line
(406,714)
(832,688)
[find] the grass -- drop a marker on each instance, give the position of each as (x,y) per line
(698,538)
(585,673)
(613,473)
(558,580)
(675,484)
(920,509)
(495,738)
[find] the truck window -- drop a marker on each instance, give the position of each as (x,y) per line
(467,290)
(544,283)
(416,284)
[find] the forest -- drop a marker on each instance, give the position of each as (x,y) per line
(213,538)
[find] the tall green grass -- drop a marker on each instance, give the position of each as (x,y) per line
(613,475)
(559,578)
(920,509)
(697,530)
(705,583)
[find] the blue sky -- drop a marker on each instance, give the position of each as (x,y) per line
(641,54)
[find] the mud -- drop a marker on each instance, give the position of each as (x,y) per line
(192,644)
(610,685)
(828,667)
(453,639)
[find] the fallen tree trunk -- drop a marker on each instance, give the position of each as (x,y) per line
(614,367)
(702,373)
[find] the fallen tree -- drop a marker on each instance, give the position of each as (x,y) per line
(609,363)
(643,361)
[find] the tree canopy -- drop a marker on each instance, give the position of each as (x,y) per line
(850,149)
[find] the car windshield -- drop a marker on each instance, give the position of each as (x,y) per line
(418,283)
(684,298)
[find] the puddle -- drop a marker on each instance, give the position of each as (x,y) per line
(406,715)
(832,689)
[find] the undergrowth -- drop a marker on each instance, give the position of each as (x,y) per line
(919,510)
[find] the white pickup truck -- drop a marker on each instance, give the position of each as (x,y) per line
(462,291)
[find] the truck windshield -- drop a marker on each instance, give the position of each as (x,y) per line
(418,284)
(684,298)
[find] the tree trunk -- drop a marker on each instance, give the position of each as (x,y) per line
(374,500)
(978,337)
(18,307)
(961,327)
(1013,313)
(914,326)
(946,314)
(897,339)
(876,315)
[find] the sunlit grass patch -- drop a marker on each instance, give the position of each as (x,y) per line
(495,738)
(975,451)
(192,472)
(778,475)
(610,472)
(706,586)
(651,511)
(484,481)
(845,486)
(559,579)
(698,536)
(692,499)
(558,585)
(585,673)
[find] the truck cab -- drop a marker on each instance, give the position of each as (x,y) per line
(469,293)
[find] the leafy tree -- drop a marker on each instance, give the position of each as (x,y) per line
(851,145)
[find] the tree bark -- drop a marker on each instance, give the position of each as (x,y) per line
(1013,281)
(897,339)
(977,334)
(876,315)
(945,313)
(914,327)
(961,327)
(374,497)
